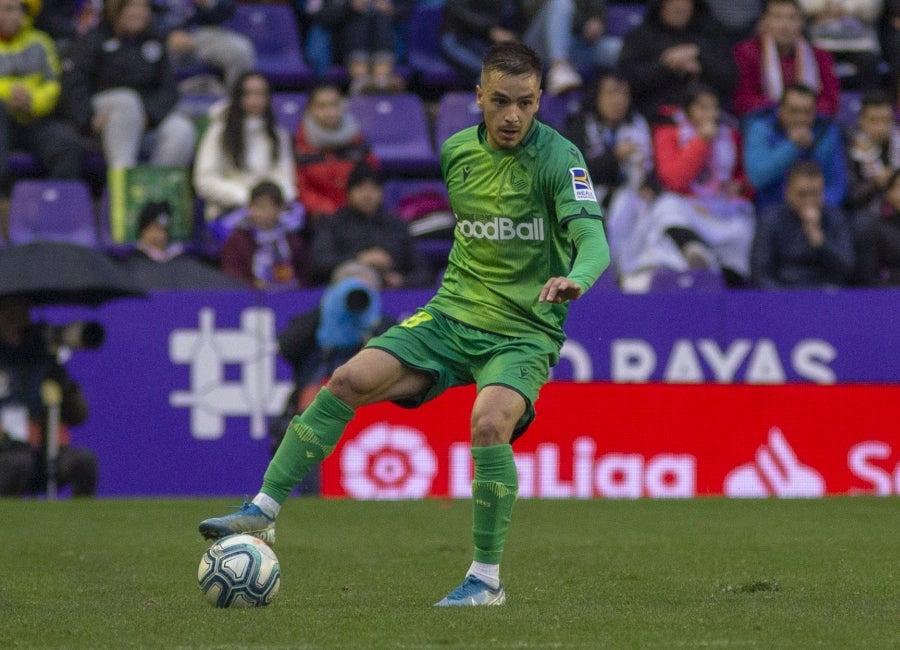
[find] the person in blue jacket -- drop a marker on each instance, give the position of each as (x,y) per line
(776,138)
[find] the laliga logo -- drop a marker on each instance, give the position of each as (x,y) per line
(388,462)
(776,472)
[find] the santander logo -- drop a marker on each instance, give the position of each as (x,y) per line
(776,471)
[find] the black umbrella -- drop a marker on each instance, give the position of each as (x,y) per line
(181,272)
(56,273)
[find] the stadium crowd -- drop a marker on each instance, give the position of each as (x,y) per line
(695,117)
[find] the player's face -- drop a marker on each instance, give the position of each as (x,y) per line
(508,103)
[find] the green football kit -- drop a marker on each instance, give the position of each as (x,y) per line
(524,215)
(513,209)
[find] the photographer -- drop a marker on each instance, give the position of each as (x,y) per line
(319,340)
(27,361)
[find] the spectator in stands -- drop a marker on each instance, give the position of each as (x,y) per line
(776,138)
(618,150)
(242,146)
(593,47)
(873,155)
(364,31)
(153,233)
(156,262)
(704,212)
(26,363)
(889,33)
(678,42)
(327,146)
(29,92)
(65,20)
(265,251)
(118,83)
(739,18)
(780,55)
(803,242)
(320,339)
(849,30)
(879,242)
(194,34)
(365,232)
(560,30)
(555,28)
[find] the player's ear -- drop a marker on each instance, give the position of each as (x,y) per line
(479,96)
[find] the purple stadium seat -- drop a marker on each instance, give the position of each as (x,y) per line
(429,68)
(694,280)
(275,34)
(47,210)
(288,109)
(622,18)
(556,108)
(397,127)
(456,111)
(849,107)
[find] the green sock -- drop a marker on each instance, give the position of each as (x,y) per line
(309,439)
(494,491)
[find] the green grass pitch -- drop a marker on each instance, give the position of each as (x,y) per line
(579,574)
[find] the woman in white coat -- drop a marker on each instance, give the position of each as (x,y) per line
(242,146)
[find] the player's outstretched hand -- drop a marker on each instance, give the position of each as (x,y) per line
(559,290)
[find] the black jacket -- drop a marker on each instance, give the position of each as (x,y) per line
(99,61)
(654,85)
(346,233)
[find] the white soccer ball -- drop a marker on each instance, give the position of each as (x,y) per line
(239,571)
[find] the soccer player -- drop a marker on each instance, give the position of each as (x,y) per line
(528,240)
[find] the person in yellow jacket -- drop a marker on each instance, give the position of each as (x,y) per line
(29,93)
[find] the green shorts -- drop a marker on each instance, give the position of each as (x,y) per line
(455,354)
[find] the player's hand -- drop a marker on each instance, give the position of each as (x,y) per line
(559,290)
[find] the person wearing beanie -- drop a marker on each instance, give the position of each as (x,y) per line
(156,262)
(364,231)
(29,93)
(153,232)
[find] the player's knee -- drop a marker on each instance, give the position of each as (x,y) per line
(491,429)
(347,385)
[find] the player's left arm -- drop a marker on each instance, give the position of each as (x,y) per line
(591,259)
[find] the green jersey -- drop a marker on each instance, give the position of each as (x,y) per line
(511,209)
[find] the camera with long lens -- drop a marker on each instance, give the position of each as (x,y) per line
(77,335)
(349,311)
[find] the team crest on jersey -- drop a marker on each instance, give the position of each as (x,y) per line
(581,184)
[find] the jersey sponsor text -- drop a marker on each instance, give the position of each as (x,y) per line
(502,229)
